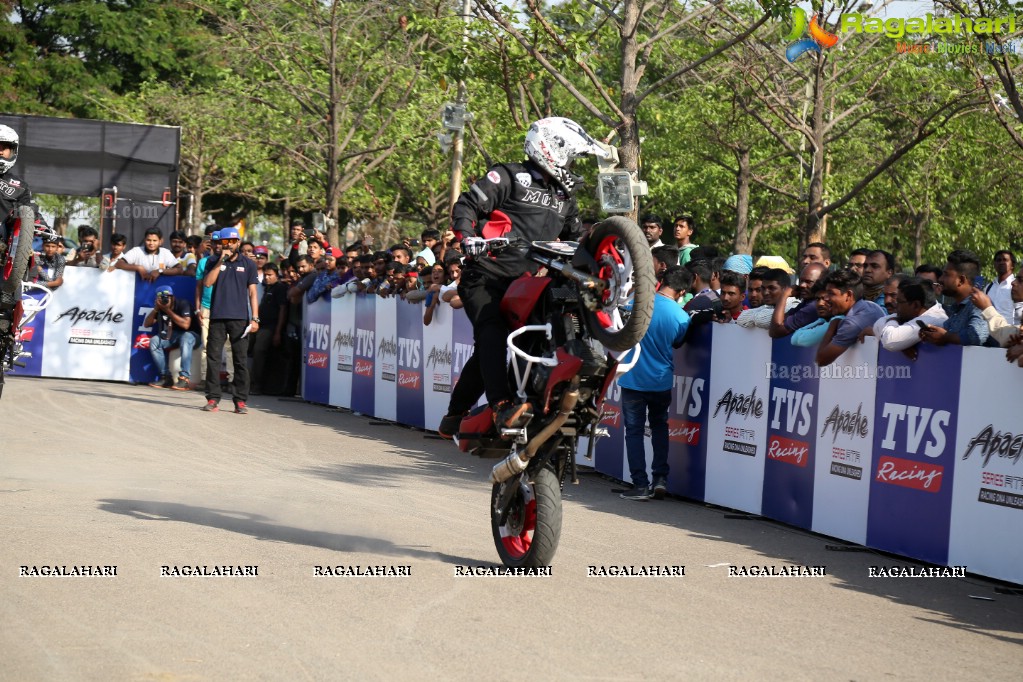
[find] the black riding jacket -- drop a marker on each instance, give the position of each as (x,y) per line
(517,201)
(13,193)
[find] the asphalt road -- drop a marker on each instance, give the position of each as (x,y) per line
(138,478)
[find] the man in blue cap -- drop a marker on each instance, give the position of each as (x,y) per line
(234,310)
(171,320)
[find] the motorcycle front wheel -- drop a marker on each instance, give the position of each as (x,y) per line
(529,535)
(15,265)
(627,268)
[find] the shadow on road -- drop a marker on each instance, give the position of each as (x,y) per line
(258,526)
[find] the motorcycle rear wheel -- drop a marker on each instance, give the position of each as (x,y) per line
(530,534)
(619,246)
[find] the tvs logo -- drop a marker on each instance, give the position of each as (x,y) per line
(364,367)
(909,424)
(689,396)
(141,341)
(788,451)
(364,343)
(818,36)
(460,355)
(318,336)
(909,474)
(991,443)
(315,359)
(409,379)
(795,407)
(684,432)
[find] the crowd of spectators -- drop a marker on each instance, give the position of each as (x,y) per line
(828,304)
(831,305)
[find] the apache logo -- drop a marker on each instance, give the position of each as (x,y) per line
(848,423)
(438,356)
(387,347)
(738,403)
(85,315)
(993,442)
(818,36)
(344,340)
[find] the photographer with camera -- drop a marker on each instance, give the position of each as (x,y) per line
(88,254)
(171,320)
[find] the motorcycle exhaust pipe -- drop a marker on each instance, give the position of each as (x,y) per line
(516,462)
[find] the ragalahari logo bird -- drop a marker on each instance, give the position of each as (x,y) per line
(818,36)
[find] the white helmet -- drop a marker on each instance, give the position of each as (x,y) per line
(8,135)
(553,143)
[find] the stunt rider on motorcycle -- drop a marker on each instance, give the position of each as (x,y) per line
(13,193)
(523,202)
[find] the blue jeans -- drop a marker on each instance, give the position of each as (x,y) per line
(636,405)
(158,348)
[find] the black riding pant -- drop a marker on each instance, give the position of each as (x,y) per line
(221,332)
(487,369)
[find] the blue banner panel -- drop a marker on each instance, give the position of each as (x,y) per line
(914,452)
(410,364)
(316,353)
(688,415)
(363,377)
(143,369)
(791,434)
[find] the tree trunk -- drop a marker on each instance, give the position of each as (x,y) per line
(743,242)
(333,126)
(920,221)
(628,150)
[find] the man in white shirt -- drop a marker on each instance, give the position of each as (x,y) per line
(1001,330)
(1000,291)
(915,302)
(775,283)
(150,260)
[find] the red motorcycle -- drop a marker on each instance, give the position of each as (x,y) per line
(569,329)
(15,261)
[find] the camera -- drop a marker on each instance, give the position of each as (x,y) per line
(163,297)
(86,247)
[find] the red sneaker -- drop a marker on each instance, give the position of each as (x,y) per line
(211,406)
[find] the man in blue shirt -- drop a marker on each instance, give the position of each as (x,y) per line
(965,324)
(646,388)
(234,310)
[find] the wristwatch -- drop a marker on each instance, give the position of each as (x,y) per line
(256,320)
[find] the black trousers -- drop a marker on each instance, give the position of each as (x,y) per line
(487,369)
(220,332)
